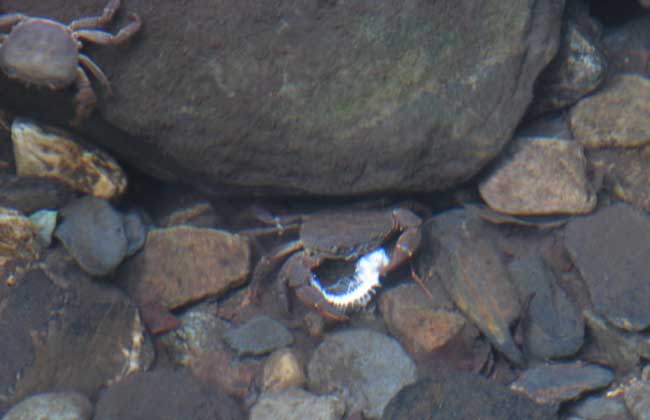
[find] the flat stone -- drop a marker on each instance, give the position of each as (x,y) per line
(616,116)
(558,383)
(184,264)
(93,233)
(553,324)
(260,335)
(471,270)
(47,152)
(421,326)
(29,194)
(540,176)
(610,250)
(372,367)
(297,404)
(63,331)
(462,396)
(165,395)
(52,406)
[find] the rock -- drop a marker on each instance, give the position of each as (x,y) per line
(370,367)
(627,51)
(599,408)
(471,270)
(52,405)
(627,172)
(135,231)
(164,395)
(421,326)
(181,265)
(258,109)
(553,325)
(47,152)
(609,249)
(93,233)
(578,69)
(44,222)
(63,331)
(610,346)
(175,206)
(260,335)
(558,383)
(198,345)
(18,239)
(296,404)
(462,396)
(540,176)
(614,116)
(282,370)
(637,399)
(29,194)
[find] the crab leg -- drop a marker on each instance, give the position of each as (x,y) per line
(96,71)
(11,19)
(408,242)
(96,21)
(85,98)
(268,264)
(106,38)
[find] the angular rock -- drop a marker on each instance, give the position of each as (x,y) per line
(46,152)
(282,370)
(610,250)
(462,396)
(553,325)
(578,68)
(388,90)
(297,404)
(18,238)
(616,116)
(181,265)
(44,222)
(558,383)
(421,326)
(93,233)
(540,176)
(165,395)
(471,270)
(52,405)
(372,367)
(63,331)
(260,335)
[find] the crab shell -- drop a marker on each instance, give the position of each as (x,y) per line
(41,52)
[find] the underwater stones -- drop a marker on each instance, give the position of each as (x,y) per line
(46,152)
(540,176)
(52,405)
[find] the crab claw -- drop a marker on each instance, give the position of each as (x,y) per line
(312,297)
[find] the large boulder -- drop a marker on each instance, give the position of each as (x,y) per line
(319,97)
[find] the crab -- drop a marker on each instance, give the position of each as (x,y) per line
(46,53)
(349,236)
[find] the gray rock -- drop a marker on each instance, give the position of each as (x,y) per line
(637,399)
(93,233)
(29,194)
(52,406)
(297,404)
(319,97)
(554,384)
(367,367)
(260,335)
(553,325)
(610,250)
(462,396)
(600,408)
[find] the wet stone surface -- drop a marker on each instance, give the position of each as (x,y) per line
(462,396)
(471,270)
(610,250)
(553,325)
(598,408)
(52,405)
(165,395)
(258,336)
(616,116)
(93,233)
(29,194)
(637,399)
(297,404)
(557,383)
(540,176)
(365,367)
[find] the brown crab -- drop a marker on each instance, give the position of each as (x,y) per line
(335,236)
(46,53)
